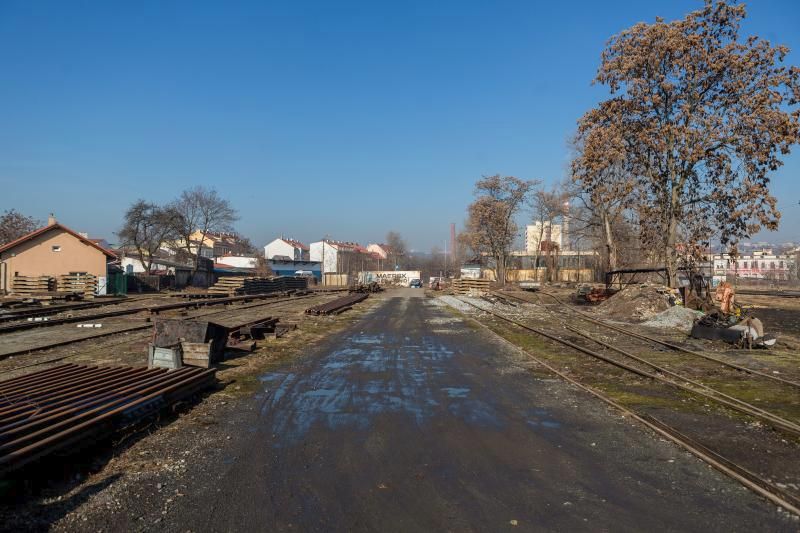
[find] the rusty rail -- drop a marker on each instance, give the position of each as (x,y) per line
(152,309)
(55,409)
(338,305)
(36,312)
(760,485)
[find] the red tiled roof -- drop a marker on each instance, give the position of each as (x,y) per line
(347,246)
(296,244)
(45,229)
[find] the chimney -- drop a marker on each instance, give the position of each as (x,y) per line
(51,220)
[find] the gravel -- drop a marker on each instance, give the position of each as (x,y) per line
(676,317)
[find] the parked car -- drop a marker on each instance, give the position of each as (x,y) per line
(416,283)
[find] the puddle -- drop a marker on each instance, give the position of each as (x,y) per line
(367,377)
(456,392)
(544,423)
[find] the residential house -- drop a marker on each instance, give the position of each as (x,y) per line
(383,250)
(341,257)
(53,250)
(213,244)
(284,248)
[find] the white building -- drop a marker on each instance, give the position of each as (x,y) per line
(131,264)
(286,248)
(237,261)
(340,257)
(538,231)
(383,250)
(761,264)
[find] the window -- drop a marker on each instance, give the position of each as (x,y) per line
(744,264)
(56,248)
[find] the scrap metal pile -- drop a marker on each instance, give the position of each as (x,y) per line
(372,286)
(62,408)
(196,342)
(339,305)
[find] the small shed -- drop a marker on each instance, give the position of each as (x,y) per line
(50,256)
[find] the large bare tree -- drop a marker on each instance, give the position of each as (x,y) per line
(607,192)
(202,211)
(146,227)
(700,118)
(14,225)
(397,247)
(547,207)
(491,226)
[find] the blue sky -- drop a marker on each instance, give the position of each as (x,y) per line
(313,118)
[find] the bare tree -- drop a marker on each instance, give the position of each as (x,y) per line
(246,246)
(701,119)
(397,247)
(201,211)
(14,225)
(607,192)
(262,268)
(146,227)
(547,206)
(491,227)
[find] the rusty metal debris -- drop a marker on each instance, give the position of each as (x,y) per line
(60,408)
(198,342)
(152,309)
(339,305)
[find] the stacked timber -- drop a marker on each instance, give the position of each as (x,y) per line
(30,285)
(239,285)
(471,286)
(79,283)
(228,286)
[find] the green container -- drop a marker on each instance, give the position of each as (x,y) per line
(118,283)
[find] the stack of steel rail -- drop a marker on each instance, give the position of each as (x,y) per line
(338,305)
(58,409)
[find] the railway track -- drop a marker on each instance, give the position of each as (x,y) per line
(647,338)
(59,343)
(660,374)
(36,312)
(779,294)
(151,309)
(751,480)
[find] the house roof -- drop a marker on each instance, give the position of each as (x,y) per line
(45,229)
(385,247)
(347,246)
(294,243)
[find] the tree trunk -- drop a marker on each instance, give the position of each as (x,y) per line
(611,249)
(501,269)
(670,254)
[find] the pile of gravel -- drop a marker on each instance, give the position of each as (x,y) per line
(454,302)
(637,302)
(676,317)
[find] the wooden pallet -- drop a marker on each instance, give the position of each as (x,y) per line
(85,284)
(471,286)
(28,285)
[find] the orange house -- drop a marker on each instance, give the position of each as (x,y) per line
(53,250)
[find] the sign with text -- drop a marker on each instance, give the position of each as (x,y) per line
(396,278)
